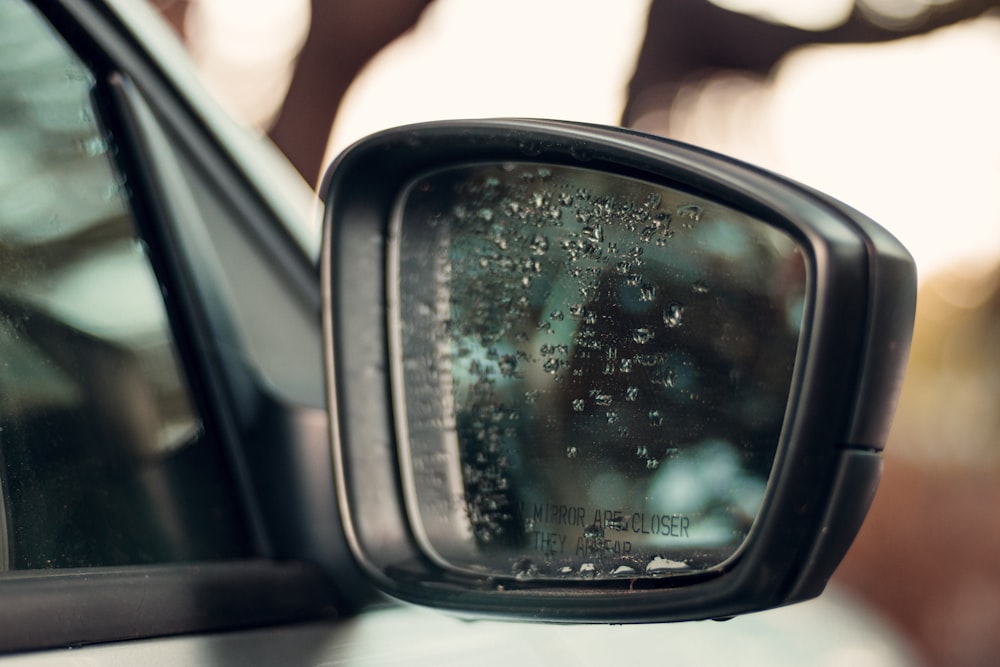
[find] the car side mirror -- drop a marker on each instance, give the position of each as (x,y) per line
(577,373)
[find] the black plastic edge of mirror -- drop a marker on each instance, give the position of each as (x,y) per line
(862,287)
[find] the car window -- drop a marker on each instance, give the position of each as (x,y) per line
(104,457)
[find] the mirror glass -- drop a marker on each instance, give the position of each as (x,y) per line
(590,372)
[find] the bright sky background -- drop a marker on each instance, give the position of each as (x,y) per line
(907,132)
(568,59)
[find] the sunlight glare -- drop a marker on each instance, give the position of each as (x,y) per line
(810,15)
(570,59)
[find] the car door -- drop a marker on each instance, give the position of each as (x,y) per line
(164,457)
(140,419)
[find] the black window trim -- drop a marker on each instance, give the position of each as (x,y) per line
(85,606)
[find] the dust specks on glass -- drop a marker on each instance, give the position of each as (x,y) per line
(98,435)
(594,370)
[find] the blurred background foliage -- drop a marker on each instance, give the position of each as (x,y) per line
(890,105)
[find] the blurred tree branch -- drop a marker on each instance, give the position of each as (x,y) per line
(688,39)
(343,36)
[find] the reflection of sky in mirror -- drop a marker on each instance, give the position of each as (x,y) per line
(904,131)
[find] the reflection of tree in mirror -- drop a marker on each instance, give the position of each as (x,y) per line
(613,345)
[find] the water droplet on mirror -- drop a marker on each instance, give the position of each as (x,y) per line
(660,564)
(556,315)
(593,532)
(94,146)
(691,212)
(552,366)
(655,418)
(113,191)
(508,365)
(699,287)
(601,399)
(647,293)
(486,214)
(578,405)
(571,452)
(631,393)
(588,570)
(642,452)
(642,335)
(652,464)
(612,417)
(673,315)
(539,244)
(594,234)
(524,568)
(623,571)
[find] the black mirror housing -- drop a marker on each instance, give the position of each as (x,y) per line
(790,299)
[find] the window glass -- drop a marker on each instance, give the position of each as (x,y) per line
(103,458)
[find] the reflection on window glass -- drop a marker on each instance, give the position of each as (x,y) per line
(595,369)
(103,459)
